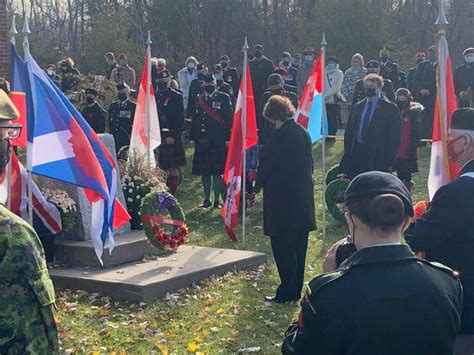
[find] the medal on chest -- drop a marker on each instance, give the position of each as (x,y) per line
(216,105)
(125,114)
(167,100)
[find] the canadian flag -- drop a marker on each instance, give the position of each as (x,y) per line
(146,135)
(234,165)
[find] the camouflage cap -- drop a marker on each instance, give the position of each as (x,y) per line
(8,111)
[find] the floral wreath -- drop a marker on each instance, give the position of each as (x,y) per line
(164,232)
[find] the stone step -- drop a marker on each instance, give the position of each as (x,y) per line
(129,247)
(142,281)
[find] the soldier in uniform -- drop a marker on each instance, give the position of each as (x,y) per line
(291,71)
(171,115)
(27,296)
(121,113)
(222,86)
(94,114)
(373,67)
(381,299)
(464,78)
(230,75)
(69,75)
(388,68)
(419,57)
(196,88)
(210,132)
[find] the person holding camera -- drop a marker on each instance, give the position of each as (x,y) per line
(381,299)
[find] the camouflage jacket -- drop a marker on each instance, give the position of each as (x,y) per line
(27,297)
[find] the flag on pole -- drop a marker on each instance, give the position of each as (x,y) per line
(441,169)
(62,146)
(144,141)
(46,216)
(17,92)
(311,110)
(234,167)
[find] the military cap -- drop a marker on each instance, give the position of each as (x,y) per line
(224,57)
(297,55)
(372,64)
(432,48)
(201,66)
(258,47)
(375,183)
(385,50)
(209,78)
(274,79)
(121,86)
(91,91)
(331,58)
(468,51)
(285,55)
(463,118)
(163,74)
(309,50)
(217,68)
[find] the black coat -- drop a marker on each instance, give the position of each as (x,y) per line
(231,77)
(222,86)
(425,78)
(121,122)
(95,115)
(382,300)
(359,93)
(446,234)
(463,79)
(170,113)
(411,77)
(286,175)
(260,71)
(383,137)
(291,76)
(389,70)
(196,88)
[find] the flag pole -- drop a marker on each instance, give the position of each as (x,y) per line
(323,128)
(26,48)
(13,32)
(147,110)
(244,141)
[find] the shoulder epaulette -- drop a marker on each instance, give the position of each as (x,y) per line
(441,267)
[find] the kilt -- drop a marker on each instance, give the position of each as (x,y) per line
(171,155)
(209,159)
(409,165)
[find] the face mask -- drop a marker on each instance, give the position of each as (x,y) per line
(432,57)
(218,77)
(308,58)
(402,104)
(50,72)
(286,63)
(331,66)
(452,154)
(191,66)
(469,59)
(370,91)
(383,59)
(258,54)
(90,100)
(224,65)
(122,96)
(356,65)
(122,63)
(209,89)
(162,85)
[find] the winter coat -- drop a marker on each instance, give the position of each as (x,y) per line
(351,76)
(302,76)
(411,142)
(185,78)
(332,85)
(124,75)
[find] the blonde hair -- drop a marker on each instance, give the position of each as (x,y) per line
(278,108)
(375,78)
(360,57)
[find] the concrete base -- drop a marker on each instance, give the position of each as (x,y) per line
(154,278)
(129,247)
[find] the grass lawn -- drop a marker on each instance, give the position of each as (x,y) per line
(221,315)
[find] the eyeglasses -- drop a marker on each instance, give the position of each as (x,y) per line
(11,131)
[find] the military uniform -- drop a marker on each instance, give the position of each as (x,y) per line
(389,70)
(171,115)
(121,115)
(69,79)
(210,136)
(95,115)
(382,300)
(232,78)
(195,89)
(222,86)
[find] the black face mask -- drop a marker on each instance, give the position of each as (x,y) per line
(286,63)
(122,96)
(383,59)
(90,100)
(224,65)
(402,104)
(209,89)
(162,85)
(258,54)
(370,91)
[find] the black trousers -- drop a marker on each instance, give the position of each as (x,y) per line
(289,250)
(334,117)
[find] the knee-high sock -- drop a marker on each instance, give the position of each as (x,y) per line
(218,185)
(206,184)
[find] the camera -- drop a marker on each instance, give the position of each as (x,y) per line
(344,251)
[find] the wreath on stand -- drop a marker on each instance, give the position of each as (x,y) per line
(163,221)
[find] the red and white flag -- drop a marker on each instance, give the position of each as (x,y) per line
(234,165)
(441,169)
(146,135)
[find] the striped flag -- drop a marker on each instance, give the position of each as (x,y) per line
(441,169)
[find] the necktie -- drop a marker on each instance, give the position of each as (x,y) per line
(366,122)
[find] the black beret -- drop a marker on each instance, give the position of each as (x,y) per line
(217,67)
(375,183)
(285,55)
(331,58)
(121,86)
(468,51)
(463,118)
(274,79)
(163,74)
(201,66)
(91,91)
(386,48)
(209,78)
(372,64)
(258,47)
(225,57)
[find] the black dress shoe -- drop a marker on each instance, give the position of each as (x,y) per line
(217,205)
(276,299)
(206,204)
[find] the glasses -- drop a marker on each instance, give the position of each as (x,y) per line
(11,131)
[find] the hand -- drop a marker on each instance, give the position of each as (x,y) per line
(425,92)
(252,175)
(329,262)
(169,140)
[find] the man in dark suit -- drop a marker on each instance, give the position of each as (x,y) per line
(373,67)
(419,57)
(286,175)
(230,75)
(373,132)
(445,233)
(260,68)
(94,114)
(388,68)
(121,113)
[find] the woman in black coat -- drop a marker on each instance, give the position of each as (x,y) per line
(286,175)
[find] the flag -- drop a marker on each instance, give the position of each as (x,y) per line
(311,110)
(441,169)
(233,165)
(145,137)
(46,216)
(17,92)
(62,146)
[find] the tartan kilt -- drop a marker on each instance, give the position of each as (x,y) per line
(171,155)
(406,164)
(209,159)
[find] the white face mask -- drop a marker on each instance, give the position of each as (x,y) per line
(469,59)
(191,66)
(50,72)
(3,193)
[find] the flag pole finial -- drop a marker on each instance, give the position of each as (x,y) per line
(13,30)
(148,40)
(323,40)
(26,27)
(441,22)
(246,45)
